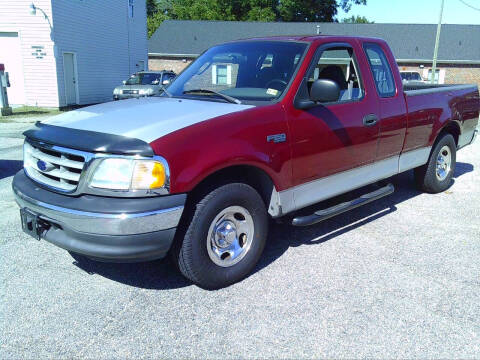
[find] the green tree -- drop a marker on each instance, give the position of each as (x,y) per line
(240,10)
(245,10)
(202,10)
(258,10)
(154,21)
(162,10)
(260,14)
(151,7)
(357,20)
(313,10)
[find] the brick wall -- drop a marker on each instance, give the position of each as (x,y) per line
(451,74)
(175,64)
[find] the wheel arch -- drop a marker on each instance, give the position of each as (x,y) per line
(251,175)
(453,128)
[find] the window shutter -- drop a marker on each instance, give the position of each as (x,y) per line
(214,74)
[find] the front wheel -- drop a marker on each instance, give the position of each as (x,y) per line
(436,175)
(225,237)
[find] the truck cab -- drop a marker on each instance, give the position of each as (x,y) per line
(251,130)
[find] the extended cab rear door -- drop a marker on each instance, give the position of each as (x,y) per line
(330,139)
(388,86)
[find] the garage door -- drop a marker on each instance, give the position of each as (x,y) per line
(11,57)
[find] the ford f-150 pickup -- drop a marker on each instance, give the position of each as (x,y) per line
(251,130)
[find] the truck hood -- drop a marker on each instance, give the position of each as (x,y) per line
(146,119)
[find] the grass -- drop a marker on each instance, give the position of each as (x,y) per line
(30,111)
(35,111)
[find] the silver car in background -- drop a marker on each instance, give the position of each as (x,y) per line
(412,77)
(144,83)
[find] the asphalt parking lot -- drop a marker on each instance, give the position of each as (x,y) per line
(397,278)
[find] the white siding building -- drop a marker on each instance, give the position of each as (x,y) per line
(67,52)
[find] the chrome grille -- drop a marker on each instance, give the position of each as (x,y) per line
(60,169)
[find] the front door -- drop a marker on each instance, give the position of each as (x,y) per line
(69,72)
(330,139)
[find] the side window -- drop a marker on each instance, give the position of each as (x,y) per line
(381,71)
(267,62)
(339,64)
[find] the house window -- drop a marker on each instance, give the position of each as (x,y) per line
(130,8)
(221,74)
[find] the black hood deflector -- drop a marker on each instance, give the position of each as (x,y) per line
(86,140)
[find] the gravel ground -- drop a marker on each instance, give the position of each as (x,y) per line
(397,278)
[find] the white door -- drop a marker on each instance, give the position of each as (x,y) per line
(69,73)
(11,57)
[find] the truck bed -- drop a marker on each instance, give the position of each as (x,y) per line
(430,107)
(421,89)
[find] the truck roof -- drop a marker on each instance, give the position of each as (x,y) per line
(310,38)
(154,72)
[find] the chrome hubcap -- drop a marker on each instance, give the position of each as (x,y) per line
(230,236)
(444,163)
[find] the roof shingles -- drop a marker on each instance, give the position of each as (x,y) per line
(408,41)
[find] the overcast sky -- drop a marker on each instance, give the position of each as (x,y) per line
(417,11)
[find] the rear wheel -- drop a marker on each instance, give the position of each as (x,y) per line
(436,175)
(224,238)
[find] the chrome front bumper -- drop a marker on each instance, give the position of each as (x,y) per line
(102,223)
(108,229)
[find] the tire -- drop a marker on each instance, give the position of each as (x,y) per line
(77,256)
(430,178)
(221,223)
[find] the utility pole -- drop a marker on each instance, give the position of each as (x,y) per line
(437,40)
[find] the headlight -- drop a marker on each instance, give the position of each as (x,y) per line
(145,91)
(130,174)
(117,91)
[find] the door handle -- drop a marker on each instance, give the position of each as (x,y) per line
(370,120)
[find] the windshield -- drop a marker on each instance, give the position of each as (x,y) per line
(247,71)
(144,79)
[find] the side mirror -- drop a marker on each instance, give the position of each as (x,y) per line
(124,82)
(324,91)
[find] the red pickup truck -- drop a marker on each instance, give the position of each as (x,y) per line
(251,130)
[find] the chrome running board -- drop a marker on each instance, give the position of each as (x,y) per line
(335,210)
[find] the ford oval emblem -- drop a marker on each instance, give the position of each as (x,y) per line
(42,165)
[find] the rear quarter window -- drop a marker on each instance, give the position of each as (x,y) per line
(381,71)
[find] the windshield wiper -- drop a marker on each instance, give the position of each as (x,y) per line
(207,91)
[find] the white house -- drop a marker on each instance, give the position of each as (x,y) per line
(67,52)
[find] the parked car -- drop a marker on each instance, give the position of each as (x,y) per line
(251,130)
(410,76)
(144,83)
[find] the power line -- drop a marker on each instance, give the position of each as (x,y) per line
(470,6)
